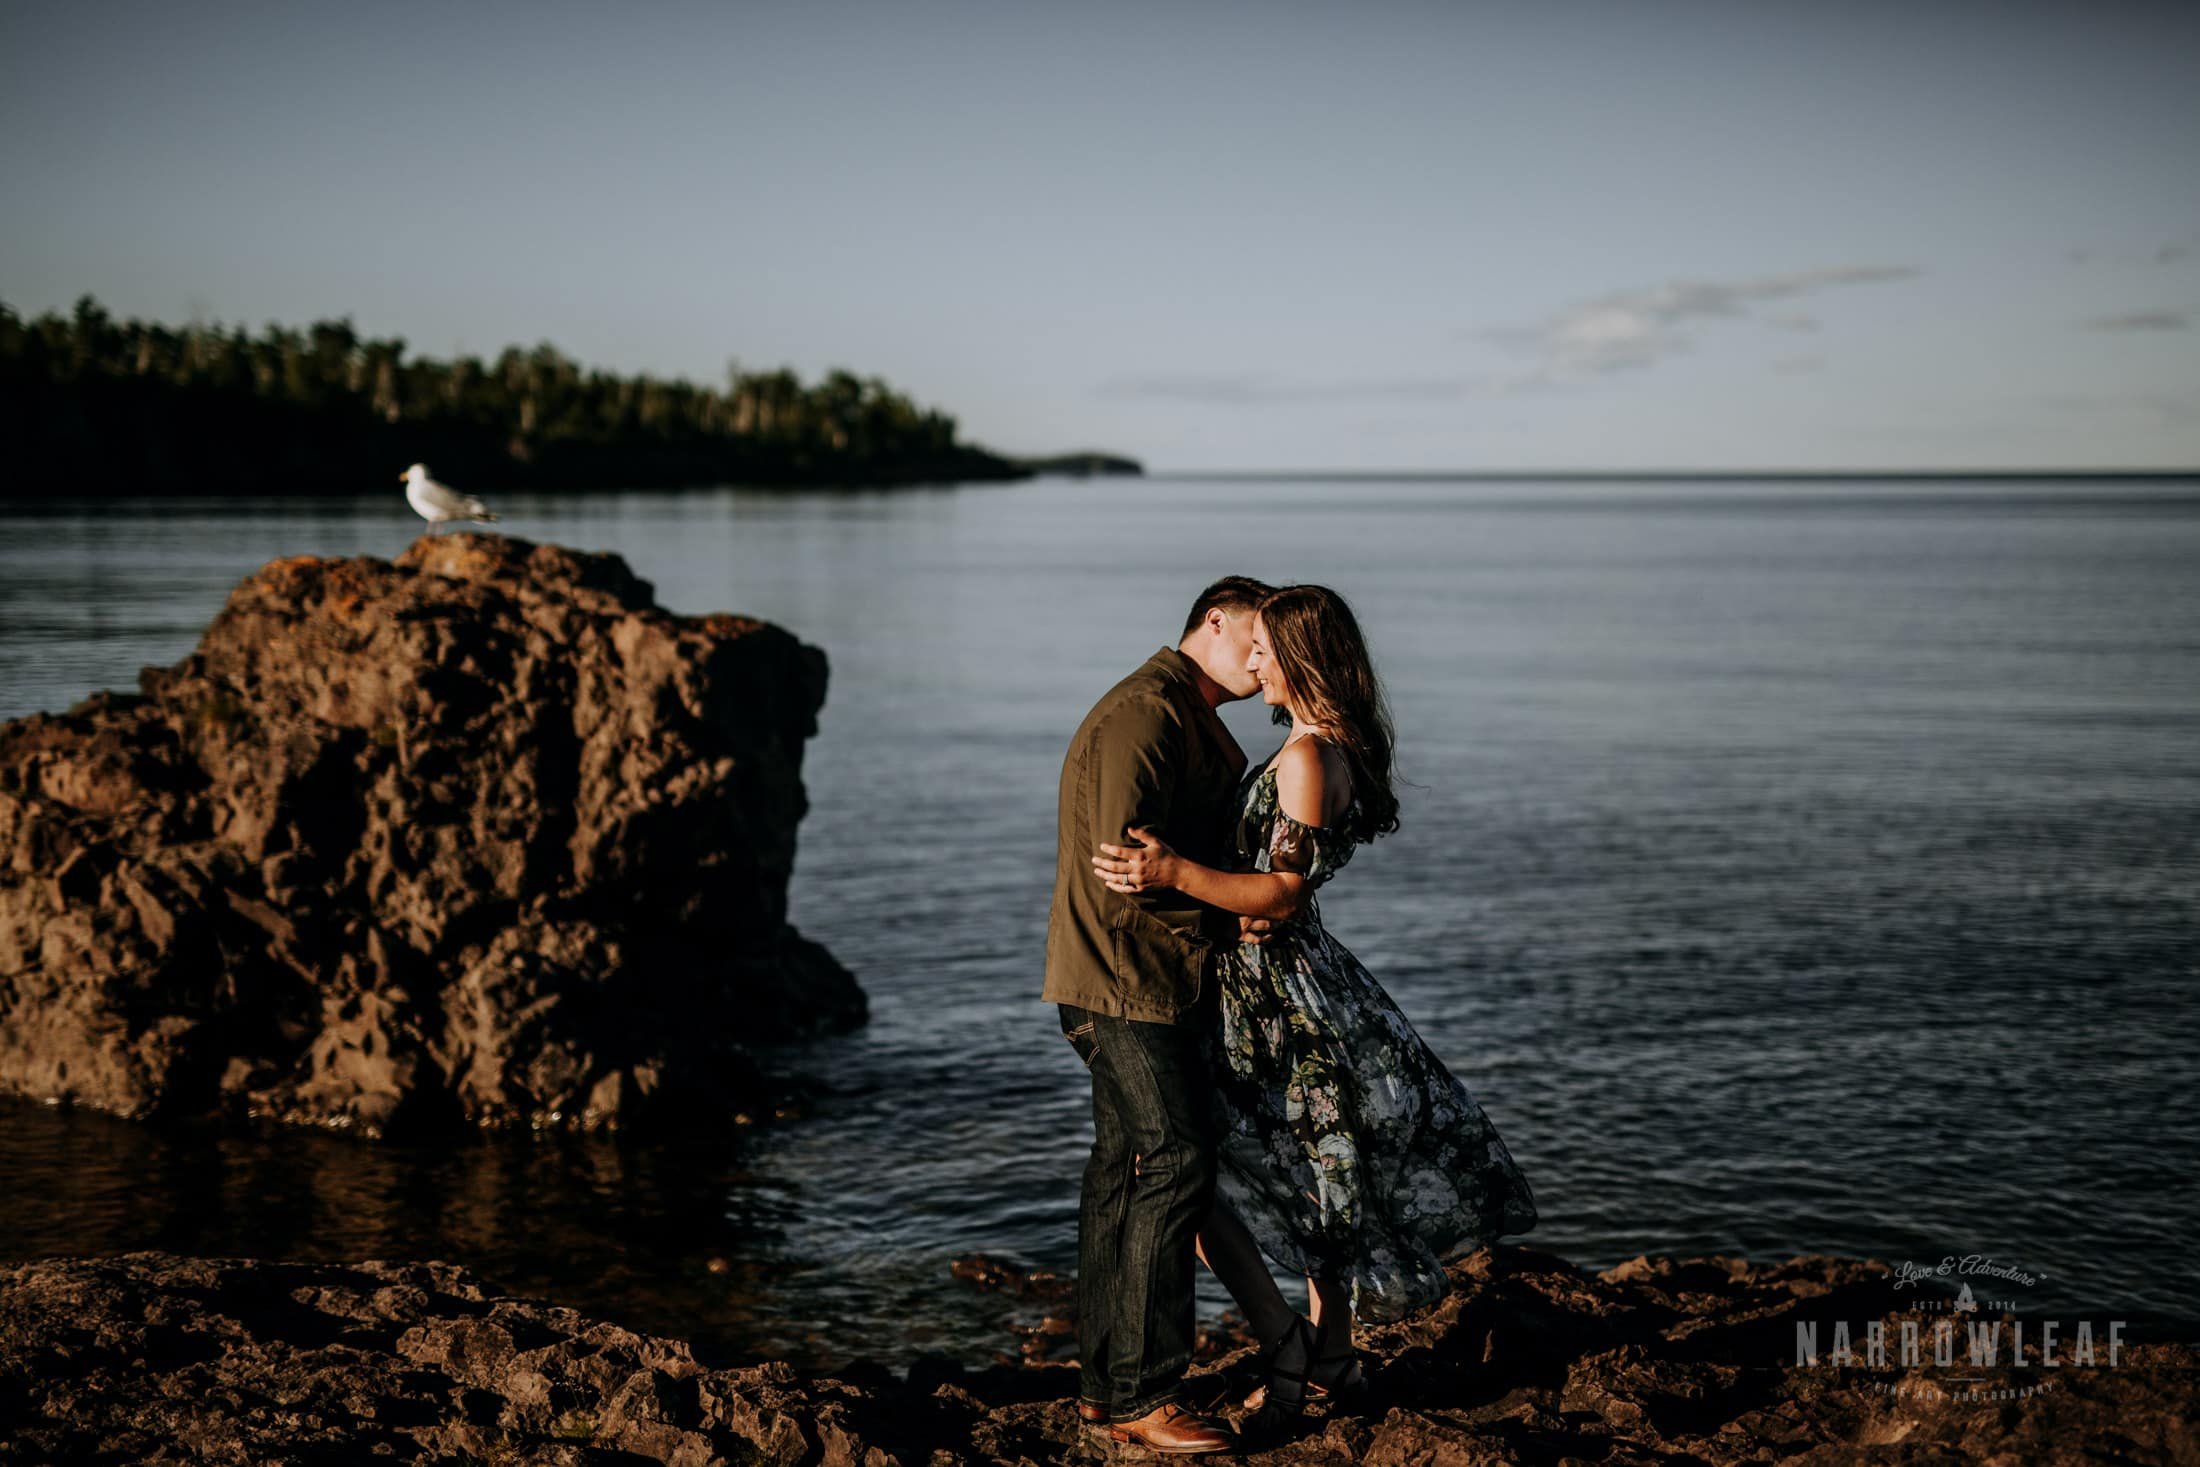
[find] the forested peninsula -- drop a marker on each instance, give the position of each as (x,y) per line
(94,405)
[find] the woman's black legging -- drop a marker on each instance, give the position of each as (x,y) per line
(1236,1260)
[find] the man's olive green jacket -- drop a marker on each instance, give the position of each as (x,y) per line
(1151,753)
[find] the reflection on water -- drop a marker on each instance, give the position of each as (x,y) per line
(674,1237)
(1785,870)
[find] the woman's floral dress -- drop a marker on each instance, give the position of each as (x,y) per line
(1349,1149)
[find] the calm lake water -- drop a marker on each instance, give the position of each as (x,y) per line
(1788,867)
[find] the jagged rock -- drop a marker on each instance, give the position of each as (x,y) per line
(482,834)
(150,1357)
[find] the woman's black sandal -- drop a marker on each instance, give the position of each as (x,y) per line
(1231,1386)
(1285,1402)
(1339,1380)
(1227,1387)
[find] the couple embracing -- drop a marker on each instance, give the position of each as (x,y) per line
(1254,1090)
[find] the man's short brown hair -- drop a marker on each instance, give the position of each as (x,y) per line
(1232,594)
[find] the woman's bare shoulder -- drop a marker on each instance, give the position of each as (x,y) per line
(1313,781)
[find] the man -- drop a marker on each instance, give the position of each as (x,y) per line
(1132,977)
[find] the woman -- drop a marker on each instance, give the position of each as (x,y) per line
(1348,1153)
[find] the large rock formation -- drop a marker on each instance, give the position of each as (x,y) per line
(150,1357)
(481,834)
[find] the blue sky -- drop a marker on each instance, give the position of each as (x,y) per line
(1558,235)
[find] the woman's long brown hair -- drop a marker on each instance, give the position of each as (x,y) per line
(1318,648)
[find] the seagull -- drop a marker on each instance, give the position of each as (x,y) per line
(436,503)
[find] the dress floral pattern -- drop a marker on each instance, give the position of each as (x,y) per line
(1349,1149)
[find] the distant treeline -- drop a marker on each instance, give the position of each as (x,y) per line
(89,404)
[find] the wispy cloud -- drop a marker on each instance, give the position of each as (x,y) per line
(2149,409)
(1252,388)
(2142,321)
(1625,329)
(2169,252)
(1635,328)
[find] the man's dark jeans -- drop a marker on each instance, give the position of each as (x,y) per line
(1147,1186)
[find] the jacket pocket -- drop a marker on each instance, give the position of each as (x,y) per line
(1157,964)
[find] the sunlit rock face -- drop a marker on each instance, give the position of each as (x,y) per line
(479,835)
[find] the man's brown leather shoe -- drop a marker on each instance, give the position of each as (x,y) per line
(1171,1428)
(1092,1415)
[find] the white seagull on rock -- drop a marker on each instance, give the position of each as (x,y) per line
(437,503)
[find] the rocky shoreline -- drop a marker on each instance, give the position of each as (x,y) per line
(150,1357)
(479,836)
